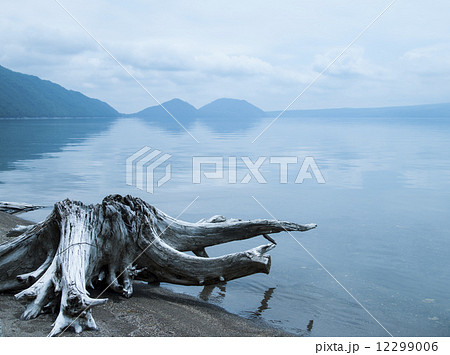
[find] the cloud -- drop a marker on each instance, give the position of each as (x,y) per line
(42,39)
(352,63)
(200,51)
(152,54)
(224,64)
(428,60)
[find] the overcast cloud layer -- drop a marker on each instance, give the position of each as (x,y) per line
(265,52)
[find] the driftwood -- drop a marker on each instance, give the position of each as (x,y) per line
(124,238)
(17,207)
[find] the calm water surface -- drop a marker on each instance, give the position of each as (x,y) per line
(383,214)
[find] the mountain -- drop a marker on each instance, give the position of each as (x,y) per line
(230,108)
(220,108)
(430,110)
(225,111)
(24,95)
(178,108)
(221,115)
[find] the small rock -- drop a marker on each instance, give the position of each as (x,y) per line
(428,300)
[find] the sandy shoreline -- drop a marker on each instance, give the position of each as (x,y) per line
(152,311)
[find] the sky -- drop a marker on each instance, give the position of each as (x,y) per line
(265,52)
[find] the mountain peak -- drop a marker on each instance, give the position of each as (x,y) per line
(220,108)
(176,107)
(227,107)
(177,101)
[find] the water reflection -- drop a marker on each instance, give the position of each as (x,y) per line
(23,139)
(207,291)
(207,294)
(390,170)
(264,303)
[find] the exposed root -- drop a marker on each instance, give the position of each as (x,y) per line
(123,238)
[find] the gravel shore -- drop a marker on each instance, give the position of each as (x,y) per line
(152,311)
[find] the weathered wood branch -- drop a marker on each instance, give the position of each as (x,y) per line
(17,207)
(123,238)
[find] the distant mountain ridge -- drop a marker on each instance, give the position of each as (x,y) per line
(426,110)
(23,95)
(226,108)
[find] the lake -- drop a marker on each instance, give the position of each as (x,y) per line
(383,212)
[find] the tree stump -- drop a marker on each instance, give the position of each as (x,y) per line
(124,238)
